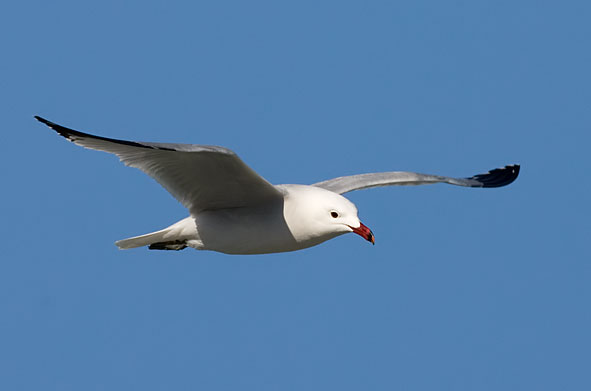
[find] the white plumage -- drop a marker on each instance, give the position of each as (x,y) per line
(234,210)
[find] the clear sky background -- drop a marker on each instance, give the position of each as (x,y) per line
(465,289)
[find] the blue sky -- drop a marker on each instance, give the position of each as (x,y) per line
(465,289)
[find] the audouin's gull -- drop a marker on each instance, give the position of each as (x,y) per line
(234,210)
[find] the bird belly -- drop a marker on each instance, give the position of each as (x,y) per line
(246,231)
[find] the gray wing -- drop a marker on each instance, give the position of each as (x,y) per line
(494,178)
(200,177)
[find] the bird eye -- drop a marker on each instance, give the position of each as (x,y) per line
(334,214)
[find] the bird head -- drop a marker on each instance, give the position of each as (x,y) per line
(317,214)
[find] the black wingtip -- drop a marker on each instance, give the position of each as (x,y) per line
(42,120)
(497,177)
(47,122)
(75,135)
(62,130)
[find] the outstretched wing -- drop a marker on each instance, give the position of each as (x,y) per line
(200,177)
(494,178)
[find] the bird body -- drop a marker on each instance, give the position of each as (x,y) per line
(233,210)
(293,223)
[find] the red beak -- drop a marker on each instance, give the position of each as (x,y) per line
(364,232)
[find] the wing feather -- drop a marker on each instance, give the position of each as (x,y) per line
(201,177)
(494,178)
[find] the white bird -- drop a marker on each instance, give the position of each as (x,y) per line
(234,210)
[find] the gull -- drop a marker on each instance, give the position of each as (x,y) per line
(234,210)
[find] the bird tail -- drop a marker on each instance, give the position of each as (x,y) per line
(171,238)
(143,240)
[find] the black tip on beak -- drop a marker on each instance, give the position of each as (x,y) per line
(365,233)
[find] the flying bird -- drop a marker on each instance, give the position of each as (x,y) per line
(234,210)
